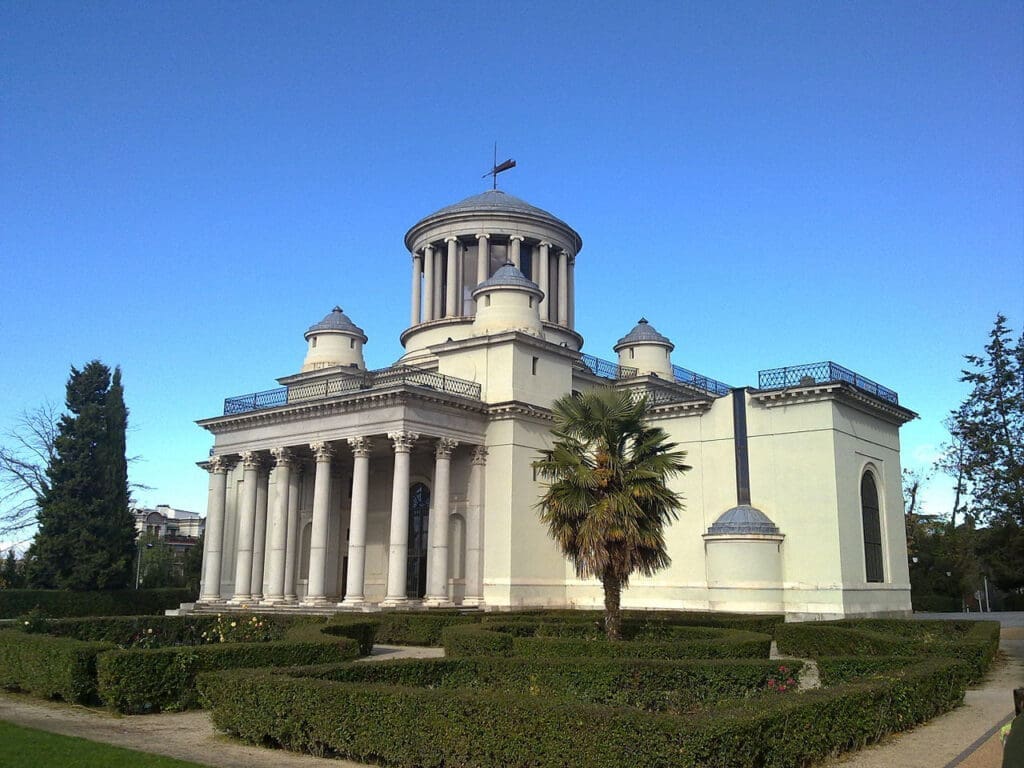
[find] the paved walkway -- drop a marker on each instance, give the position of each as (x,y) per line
(964,738)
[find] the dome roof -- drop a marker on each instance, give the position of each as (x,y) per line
(743,519)
(643,333)
(338,321)
(508,276)
(493,201)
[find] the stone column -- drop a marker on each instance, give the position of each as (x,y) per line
(398,553)
(515,250)
(437,536)
(483,258)
(246,527)
(563,288)
(474,594)
(451,283)
(417,268)
(361,447)
(428,283)
(213,544)
(291,560)
(545,281)
(315,594)
(439,278)
(283,462)
(460,309)
(572,291)
(259,539)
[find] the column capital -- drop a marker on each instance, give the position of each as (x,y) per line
(361,446)
(451,239)
(251,460)
(403,441)
(417,256)
(219,464)
(283,457)
(444,447)
(322,451)
(428,247)
(482,236)
(520,238)
(544,244)
(565,252)
(479,455)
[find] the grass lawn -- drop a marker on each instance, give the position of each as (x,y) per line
(30,748)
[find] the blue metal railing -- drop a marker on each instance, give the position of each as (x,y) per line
(399,375)
(705,383)
(822,373)
(605,368)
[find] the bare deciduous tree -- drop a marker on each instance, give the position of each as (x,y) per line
(24,456)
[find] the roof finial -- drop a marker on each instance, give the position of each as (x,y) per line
(496,168)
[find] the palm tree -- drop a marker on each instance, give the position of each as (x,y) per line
(607,500)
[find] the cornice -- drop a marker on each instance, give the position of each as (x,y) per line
(515,409)
(362,401)
(838,391)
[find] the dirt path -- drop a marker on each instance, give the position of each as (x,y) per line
(184,735)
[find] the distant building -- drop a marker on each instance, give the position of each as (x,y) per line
(179,528)
(414,485)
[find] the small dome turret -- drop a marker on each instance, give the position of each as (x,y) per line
(506,301)
(334,341)
(646,350)
(743,520)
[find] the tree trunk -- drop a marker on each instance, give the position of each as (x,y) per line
(612,614)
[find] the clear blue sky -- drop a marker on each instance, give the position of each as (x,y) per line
(185,187)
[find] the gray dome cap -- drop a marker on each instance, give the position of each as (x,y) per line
(743,519)
(337,321)
(643,333)
(508,276)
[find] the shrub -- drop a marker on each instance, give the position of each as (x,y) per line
(363,631)
(149,680)
(415,628)
(422,726)
(120,602)
(50,667)
(525,640)
(975,642)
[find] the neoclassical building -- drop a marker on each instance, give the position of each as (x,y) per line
(413,485)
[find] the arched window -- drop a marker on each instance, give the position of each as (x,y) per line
(869,512)
(419,524)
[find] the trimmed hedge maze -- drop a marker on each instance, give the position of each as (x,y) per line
(117,602)
(150,663)
(539,689)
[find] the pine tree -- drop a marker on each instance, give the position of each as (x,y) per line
(86,536)
(990,423)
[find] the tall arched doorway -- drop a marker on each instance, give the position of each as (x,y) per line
(419,524)
(870,514)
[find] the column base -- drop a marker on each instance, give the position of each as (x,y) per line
(473,602)
(316,602)
(243,600)
(437,602)
(395,602)
(218,600)
(273,600)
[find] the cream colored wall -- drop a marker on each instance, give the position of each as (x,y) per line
(332,349)
(505,310)
(647,358)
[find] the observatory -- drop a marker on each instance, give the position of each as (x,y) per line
(355,489)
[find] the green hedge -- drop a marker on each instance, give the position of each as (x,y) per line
(975,642)
(643,623)
(421,726)
(50,667)
(652,685)
(120,602)
(363,631)
(517,639)
(411,627)
(149,680)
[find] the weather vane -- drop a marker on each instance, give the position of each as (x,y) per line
(496,169)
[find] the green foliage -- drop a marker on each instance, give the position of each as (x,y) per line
(990,424)
(607,499)
(156,569)
(136,681)
(362,631)
(541,640)
(411,627)
(49,667)
(414,722)
(192,565)
(237,628)
(11,575)
(86,534)
(974,642)
(57,603)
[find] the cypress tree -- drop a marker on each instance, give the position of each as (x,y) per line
(86,536)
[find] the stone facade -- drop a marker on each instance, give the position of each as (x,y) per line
(413,485)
